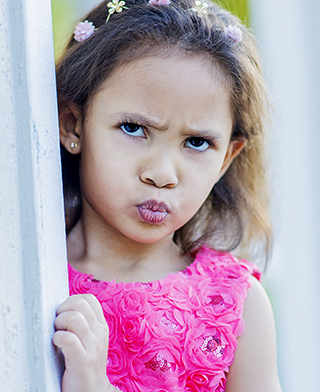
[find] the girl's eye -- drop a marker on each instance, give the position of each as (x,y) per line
(198,143)
(132,129)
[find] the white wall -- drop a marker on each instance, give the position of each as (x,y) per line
(288,31)
(33,278)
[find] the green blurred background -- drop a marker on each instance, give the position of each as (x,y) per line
(65,15)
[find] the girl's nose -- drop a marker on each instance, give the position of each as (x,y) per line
(160,173)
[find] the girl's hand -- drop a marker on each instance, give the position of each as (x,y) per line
(83,336)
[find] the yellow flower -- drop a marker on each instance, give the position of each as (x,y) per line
(115,6)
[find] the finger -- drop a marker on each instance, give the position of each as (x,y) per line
(75,322)
(88,305)
(70,345)
(96,306)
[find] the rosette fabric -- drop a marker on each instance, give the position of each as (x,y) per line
(178,333)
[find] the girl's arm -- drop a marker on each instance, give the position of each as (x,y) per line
(255,366)
(83,336)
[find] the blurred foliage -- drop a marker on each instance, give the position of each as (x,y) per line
(237,7)
(66,12)
(63,15)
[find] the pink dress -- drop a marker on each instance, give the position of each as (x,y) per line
(176,334)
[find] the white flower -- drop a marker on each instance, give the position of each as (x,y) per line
(115,6)
(200,7)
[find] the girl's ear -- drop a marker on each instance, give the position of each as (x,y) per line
(233,150)
(70,123)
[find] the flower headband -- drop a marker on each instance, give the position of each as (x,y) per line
(85,29)
(232,33)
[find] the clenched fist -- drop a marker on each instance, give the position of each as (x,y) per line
(82,334)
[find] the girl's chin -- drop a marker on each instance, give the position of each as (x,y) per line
(150,241)
(152,237)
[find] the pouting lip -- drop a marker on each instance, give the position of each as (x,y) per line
(153,211)
(156,206)
(154,214)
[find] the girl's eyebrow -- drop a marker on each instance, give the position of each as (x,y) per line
(142,120)
(205,134)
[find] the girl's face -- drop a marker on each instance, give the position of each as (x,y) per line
(155,140)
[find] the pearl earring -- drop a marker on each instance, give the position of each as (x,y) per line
(73,145)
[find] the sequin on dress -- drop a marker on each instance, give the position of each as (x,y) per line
(176,334)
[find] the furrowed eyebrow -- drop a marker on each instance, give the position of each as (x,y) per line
(205,134)
(139,119)
(142,120)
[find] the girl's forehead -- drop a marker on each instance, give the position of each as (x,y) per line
(176,76)
(184,91)
(165,63)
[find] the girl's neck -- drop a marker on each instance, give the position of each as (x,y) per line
(114,256)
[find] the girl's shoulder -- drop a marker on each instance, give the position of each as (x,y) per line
(255,358)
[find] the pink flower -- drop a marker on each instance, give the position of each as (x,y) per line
(178,293)
(233,34)
(80,283)
(159,2)
(134,333)
(134,302)
(208,346)
(197,380)
(157,366)
(202,380)
(115,327)
(118,364)
(83,31)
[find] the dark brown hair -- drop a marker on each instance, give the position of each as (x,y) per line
(235,215)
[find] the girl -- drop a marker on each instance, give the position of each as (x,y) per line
(162,110)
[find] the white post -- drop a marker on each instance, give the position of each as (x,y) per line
(288,31)
(33,276)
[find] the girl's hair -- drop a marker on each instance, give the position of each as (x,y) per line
(235,215)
